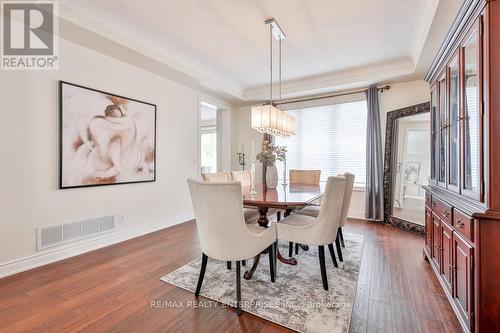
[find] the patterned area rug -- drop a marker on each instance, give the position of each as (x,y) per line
(297,299)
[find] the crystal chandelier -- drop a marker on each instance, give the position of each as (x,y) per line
(267,118)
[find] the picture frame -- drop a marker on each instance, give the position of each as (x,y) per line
(104,138)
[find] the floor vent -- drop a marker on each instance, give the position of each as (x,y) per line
(53,235)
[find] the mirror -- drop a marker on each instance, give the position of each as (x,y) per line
(412,167)
(407,166)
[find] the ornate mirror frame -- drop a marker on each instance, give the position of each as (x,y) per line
(390,165)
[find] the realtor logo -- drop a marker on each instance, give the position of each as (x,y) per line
(29,35)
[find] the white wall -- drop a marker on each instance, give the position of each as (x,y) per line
(29,196)
(400,95)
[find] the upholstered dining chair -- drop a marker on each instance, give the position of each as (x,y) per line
(223,176)
(222,230)
(314,211)
(305,177)
(320,230)
(302,177)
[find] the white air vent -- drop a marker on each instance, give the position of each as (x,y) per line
(54,235)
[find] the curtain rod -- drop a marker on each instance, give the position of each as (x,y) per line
(381,89)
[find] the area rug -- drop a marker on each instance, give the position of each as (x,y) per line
(297,299)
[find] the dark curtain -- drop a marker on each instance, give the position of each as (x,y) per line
(374,204)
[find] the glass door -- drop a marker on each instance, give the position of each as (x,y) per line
(472,117)
(454,114)
(443,133)
(208,139)
(434,133)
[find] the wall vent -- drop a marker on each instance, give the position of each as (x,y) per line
(53,235)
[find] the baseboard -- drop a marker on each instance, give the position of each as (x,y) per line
(358,215)
(71,250)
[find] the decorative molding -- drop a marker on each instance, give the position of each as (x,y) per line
(68,251)
(83,14)
(453,35)
(336,81)
(390,139)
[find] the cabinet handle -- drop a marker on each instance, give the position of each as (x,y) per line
(433,205)
(446,213)
(460,224)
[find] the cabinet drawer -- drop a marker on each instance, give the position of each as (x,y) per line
(441,209)
(463,224)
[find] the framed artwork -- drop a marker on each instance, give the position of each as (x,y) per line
(105,139)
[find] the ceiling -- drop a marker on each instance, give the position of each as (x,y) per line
(330,44)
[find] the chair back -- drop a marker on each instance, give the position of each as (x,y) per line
(244,177)
(218,209)
(328,220)
(349,186)
(305,177)
(223,176)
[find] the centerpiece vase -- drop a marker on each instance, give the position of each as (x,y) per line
(272,176)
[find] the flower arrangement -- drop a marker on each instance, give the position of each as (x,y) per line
(270,153)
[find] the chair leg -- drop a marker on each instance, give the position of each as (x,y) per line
(243,262)
(275,259)
(322,266)
(278,216)
(296,248)
(332,254)
(238,289)
(228,264)
(339,249)
(271,261)
(341,237)
(204,260)
(290,249)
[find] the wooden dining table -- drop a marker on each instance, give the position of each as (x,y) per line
(283,198)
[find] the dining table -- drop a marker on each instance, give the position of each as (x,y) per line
(284,198)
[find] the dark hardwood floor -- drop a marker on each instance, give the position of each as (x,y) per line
(111,290)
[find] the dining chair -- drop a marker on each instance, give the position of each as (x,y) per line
(302,177)
(223,176)
(320,230)
(305,177)
(314,211)
(222,230)
(245,178)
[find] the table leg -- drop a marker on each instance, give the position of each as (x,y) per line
(291,261)
(248,274)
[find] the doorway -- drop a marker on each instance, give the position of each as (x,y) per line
(209,139)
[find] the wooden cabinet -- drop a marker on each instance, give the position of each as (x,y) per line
(462,214)
(428,228)
(463,277)
(447,256)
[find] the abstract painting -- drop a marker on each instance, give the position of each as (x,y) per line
(105,139)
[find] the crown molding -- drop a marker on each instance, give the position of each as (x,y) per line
(92,18)
(336,81)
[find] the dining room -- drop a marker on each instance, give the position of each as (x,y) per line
(249,166)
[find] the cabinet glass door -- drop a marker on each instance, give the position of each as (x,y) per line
(454,125)
(434,131)
(472,116)
(442,131)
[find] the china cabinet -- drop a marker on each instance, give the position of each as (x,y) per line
(462,213)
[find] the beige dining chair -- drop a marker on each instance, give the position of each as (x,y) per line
(223,176)
(314,211)
(320,230)
(222,230)
(305,177)
(244,177)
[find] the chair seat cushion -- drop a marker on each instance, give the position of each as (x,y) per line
(309,211)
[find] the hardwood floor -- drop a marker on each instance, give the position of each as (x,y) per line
(111,290)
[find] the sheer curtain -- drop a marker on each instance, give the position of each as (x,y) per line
(331,138)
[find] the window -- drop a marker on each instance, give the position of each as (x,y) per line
(331,138)
(209,149)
